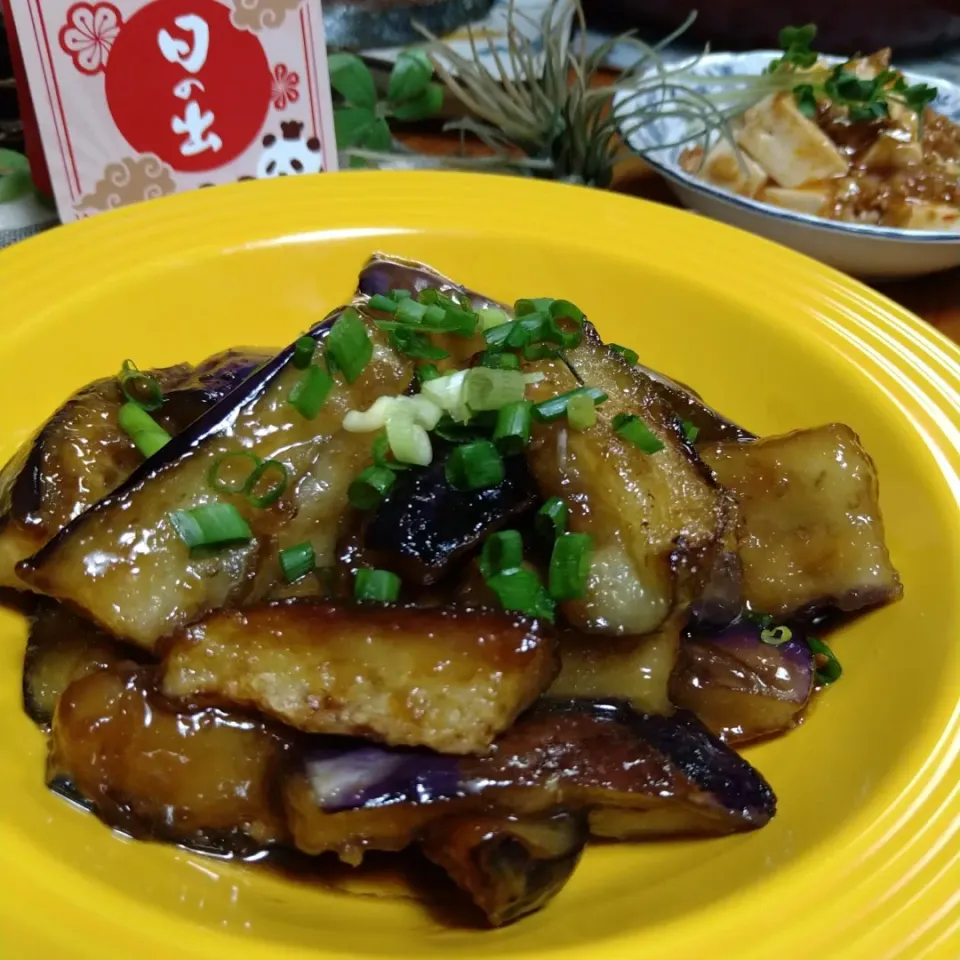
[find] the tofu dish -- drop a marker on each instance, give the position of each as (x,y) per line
(445,576)
(852,142)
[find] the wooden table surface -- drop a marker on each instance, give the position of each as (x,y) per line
(935,298)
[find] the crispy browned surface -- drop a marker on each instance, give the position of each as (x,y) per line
(810,529)
(145,594)
(450,680)
(650,515)
(199,776)
(61,648)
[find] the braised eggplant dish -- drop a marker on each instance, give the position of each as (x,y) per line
(443,575)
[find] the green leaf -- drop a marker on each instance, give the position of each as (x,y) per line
(13,162)
(350,77)
(797,38)
(409,76)
(919,95)
(351,125)
(425,104)
(806,99)
(15,185)
(377,136)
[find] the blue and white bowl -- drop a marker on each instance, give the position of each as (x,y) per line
(859,249)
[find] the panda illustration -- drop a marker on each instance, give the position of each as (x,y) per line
(291,154)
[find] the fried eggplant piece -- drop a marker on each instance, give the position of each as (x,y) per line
(654,518)
(80,454)
(425,526)
(122,562)
(741,688)
(636,669)
(450,680)
(810,532)
(509,866)
(61,648)
(636,775)
(203,777)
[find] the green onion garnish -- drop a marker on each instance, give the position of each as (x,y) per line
(828,666)
(474,466)
(310,392)
(570,566)
(556,407)
(427,372)
(516,334)
(488,389)
(411,311)
(276,482)
(564,324)
(581,413)
(371,488)
(631,356)
(381,455)
(400,294)
(147,435)
(491,317)
(140,388)
(523,308)
(499,361)
(231,472)
(776,636)
(298,561)
(416,345)
(522,592)
(501,552)
(512,432)
(690,432)
(303,351)
(349,344)
(551,519)
(211,524)
(377,586)
(539,351)
(635,431)
(379,302)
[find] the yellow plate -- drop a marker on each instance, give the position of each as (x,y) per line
(862,859)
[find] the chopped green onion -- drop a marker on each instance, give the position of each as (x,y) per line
(539,351)
(140,388)
(456,432)
(409,440)
(522,592)
(210,525)
(631,356)
(516,334)
(400,294)
(427,371)
(310,392)
(491,317)
(371,488)
(474,466)
(298,561)
(379,302)
(551,519)
(570,566)
(381,450)
(828,666)
(274,490)
(499,361)
(776,636)
(512,432)
(488,389)
(349,344)
(377,586)
(411,311)
(501,552)
(303,351)
(416,345)
(147,435)
(564,324)
(690,432)
(556,407)
(523,308)
(581,413)
(635,431)
(221,473)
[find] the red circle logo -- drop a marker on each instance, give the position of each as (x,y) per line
(184,83)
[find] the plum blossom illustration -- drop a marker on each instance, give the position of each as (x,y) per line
(285,83)
(89,34)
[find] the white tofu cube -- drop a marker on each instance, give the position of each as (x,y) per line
(811,200)
(723,168)
(893,153)
(791,148)
(933,216)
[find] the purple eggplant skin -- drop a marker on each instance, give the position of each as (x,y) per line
(81,455)
(425,526)
(635,775)
(741,688)
(509,866)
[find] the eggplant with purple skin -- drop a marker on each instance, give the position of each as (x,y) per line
(450,680)
(204,777)
(509,866)
(80,454)
(740,687)
(810,532)
(636,775)
(123,563)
